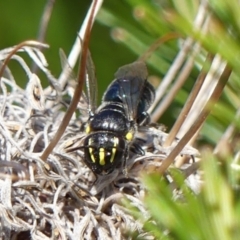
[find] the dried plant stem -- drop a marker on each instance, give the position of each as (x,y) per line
(188,105)
(161,108)
(16,48)
(204,94)
(78,90)
(73,56)
(167,37)
(179,60)
(45,20)
(161,90)
(228,134)
(44,24)
(200,120)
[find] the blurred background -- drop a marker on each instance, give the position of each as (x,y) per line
(20,20)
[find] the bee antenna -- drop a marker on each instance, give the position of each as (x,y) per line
(75,149)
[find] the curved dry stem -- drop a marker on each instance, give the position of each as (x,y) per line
(44,24)
(73,56)
(19,46)
(45,20)
(167,37)
(78,90)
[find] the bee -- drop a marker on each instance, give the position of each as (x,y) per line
(111,129)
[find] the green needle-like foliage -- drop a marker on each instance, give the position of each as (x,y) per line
(212,214)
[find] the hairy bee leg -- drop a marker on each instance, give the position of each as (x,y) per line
(124,165)
(96,179)
(137,149)
(144,119)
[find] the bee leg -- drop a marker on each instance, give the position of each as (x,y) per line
(143,119)
(137,149)
(96,179)
(124,165)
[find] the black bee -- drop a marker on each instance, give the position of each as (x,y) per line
(111,129)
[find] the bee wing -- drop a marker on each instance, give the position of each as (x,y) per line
(64,63)
(91,82)
(131,79)
(91,85)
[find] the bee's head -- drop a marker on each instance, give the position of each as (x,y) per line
(104,151)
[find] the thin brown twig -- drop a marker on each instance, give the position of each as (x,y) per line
(45,20)
(76,48)
(167,37)
(200,120)
(181,79)
(16,48)
(222,148)
(78,90)
(188,105)
(43,25)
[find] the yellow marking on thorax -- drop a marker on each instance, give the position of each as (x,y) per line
(129,136)
(114,149)
(88,129)
(102,156)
